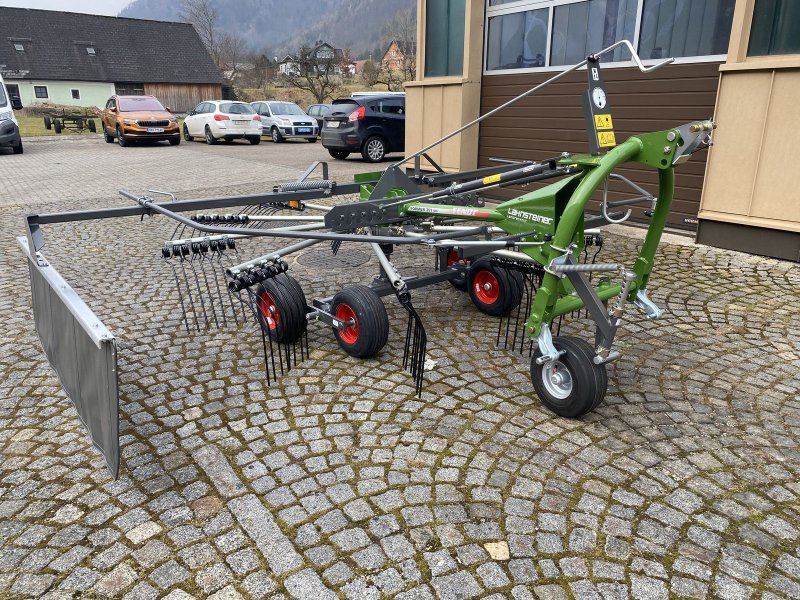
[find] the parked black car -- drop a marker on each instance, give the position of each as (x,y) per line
(318,111)
(373,125)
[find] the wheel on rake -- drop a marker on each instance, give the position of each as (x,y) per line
(368,330)
(282,309)
(48,123)
(459,282)
(57,125)
(494,291)
(573,385)
(92,126)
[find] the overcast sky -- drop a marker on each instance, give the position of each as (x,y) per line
(100,7)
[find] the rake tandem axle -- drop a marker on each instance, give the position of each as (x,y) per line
(520,260)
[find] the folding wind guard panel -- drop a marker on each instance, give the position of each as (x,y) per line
(82,352)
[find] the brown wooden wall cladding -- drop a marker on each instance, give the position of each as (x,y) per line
(551,121)
(183,97)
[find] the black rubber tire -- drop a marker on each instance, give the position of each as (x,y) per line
(254,140)
(277,138)
(18,149)
(121,139)
(108,137)
(79,124)
(92,126)
(210,139)
(48,123)
(339,154)
(589,381)
(371,330)
(288,299)
(376,157)
(57,125)
(506,296)
(312,140)
(186,135)
(175,141)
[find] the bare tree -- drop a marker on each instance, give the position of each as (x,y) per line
(203,16)
(232,54)
(370,74)
(317,71)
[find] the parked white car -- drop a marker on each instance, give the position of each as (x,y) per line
(226,120)
(286,120)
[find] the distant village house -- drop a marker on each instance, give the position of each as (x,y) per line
(82,60)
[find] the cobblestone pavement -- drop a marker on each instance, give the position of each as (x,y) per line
(338,481)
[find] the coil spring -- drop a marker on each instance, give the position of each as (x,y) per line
(198,247)
(255,275)
(299,186)
(593,239)
(527,268)
(227,219)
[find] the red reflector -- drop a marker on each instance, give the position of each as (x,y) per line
(357,114)
(256,118)
(219,117)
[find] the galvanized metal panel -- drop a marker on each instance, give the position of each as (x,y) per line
(82,352)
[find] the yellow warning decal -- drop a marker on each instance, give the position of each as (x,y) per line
(606,139)
(491,179)
(603,122)
(294,204)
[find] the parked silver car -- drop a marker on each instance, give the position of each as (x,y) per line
(285,120)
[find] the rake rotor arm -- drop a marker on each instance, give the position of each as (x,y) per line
(148,204)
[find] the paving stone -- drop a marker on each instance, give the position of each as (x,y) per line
(458,586)
(258,585)
(262,528)
(213,578)
(32,585)
(307,584)
(116,581)
(169,574)
(492,576)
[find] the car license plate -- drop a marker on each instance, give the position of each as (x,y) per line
(333,124)
(155,130)
(303,130)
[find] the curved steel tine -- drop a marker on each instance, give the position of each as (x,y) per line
(180,294)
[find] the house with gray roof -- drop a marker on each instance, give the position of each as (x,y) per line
(81,60)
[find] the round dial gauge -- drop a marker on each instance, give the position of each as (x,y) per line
(599,97)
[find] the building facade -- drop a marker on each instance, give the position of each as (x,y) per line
(751,200)
(474,55)
(80,60)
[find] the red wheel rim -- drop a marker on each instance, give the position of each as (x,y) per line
(453,259)
(269,310)
(350,334)
(486,286)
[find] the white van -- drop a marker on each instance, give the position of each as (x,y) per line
(9,128)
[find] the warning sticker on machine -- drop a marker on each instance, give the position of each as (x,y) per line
(603,122)
(606,139)
(491,179)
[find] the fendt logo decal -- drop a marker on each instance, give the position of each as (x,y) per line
(522,215)
(454,211)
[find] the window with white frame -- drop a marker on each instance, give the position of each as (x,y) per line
(524,35)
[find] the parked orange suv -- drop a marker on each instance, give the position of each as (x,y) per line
(133,118)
